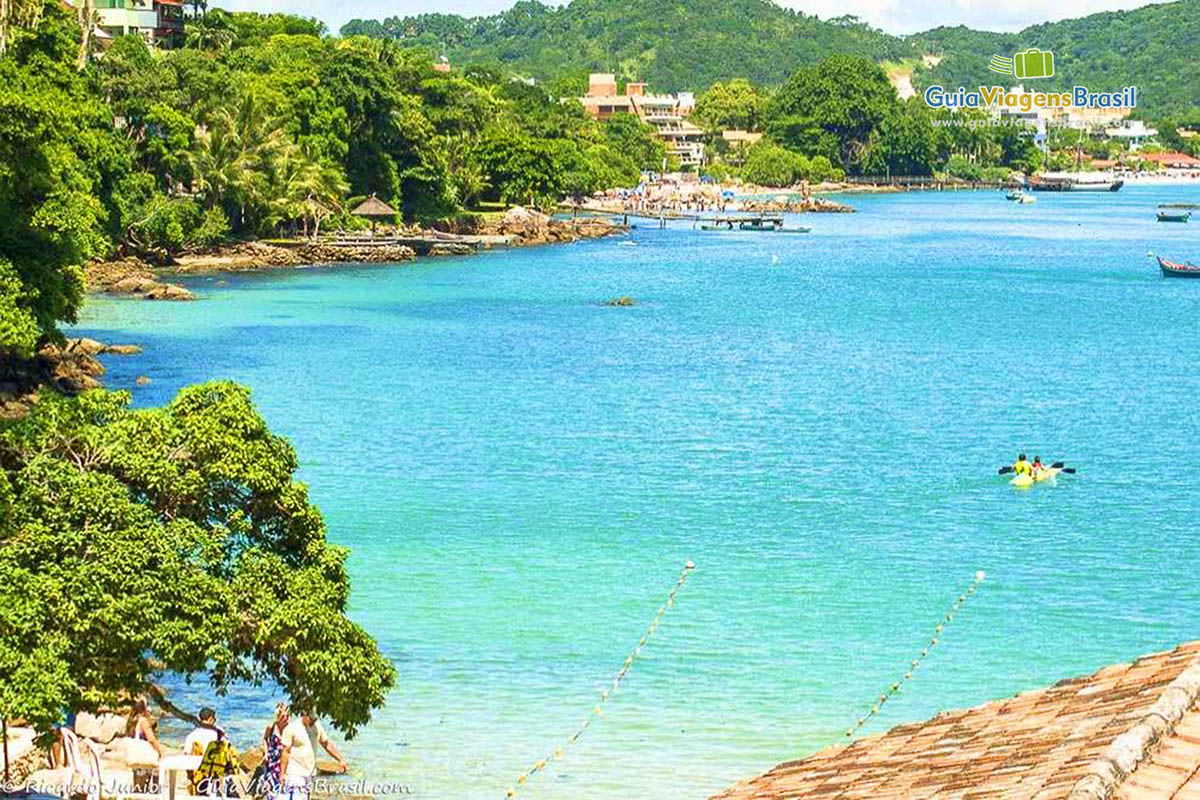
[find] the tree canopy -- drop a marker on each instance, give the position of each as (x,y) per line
(134,543)
(689,45)
(675,45)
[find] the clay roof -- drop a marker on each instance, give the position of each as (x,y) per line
(1170,158)
(1129,731)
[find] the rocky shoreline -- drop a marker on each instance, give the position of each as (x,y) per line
(519,227)
(71,368)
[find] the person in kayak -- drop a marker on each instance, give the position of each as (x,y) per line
(1022,466)
(1037,465)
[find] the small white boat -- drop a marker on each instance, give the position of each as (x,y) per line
(1026,199)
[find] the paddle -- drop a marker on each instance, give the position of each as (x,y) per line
(1058,465)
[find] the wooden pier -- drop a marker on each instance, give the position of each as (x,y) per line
(420,243)
(925,182)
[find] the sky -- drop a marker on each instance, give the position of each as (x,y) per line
(894,16)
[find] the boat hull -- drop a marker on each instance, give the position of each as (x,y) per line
(1170,269)
(1173,217)
(1064,185)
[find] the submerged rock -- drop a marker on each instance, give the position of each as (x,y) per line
(625,301)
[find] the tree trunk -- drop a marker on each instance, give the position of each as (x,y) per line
(4,13)
(86,13)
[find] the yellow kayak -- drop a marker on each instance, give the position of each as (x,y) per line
(1025,481)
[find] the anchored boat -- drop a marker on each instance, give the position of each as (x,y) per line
(1174,216)
(1075,182)
(1172,269)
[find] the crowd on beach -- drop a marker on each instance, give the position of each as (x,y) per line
(287,766)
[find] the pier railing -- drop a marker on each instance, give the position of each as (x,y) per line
(925,182)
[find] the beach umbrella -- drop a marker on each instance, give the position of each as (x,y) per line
(374,209)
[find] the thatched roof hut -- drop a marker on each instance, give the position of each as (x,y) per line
(374,208)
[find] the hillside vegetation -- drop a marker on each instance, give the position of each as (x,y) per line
(1153,48)
(674,44)
(689,44)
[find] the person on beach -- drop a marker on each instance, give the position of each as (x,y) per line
(145,751)
(316,733)
(297,761)
(1022,467)
(268,780)
(204,734)
(140,726)
(58,750)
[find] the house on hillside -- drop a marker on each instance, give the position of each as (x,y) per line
(1127,732)
(667,114)
(1132,131)
(157,21)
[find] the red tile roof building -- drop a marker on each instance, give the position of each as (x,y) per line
(1127,732)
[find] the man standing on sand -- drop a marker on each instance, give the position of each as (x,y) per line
(316,733)
(298,760)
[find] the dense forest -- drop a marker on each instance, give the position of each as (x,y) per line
(136,543)
(1152,48)
(260,124)
(688,44)
(673,44)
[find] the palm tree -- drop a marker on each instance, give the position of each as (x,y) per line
(210,31)
(235,155)
(309,188)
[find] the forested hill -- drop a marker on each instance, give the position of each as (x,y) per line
(1153,48)
(689,44)
(673,44)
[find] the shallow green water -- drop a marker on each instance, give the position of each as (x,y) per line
(815,421)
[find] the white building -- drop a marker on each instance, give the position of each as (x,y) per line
(1133,131)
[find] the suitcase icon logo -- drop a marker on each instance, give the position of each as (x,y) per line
(1032,63)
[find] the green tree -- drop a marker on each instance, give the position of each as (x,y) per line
(213,32)
(135,544)
(733,104)
(905,142)
(846,97)
(58,153)
(768,164)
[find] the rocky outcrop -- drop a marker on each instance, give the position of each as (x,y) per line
(132,277)
(450,249)
(529,227)
(624,301)
(245,256)
(71,369)
(362,254)
(804,204)
(102,728)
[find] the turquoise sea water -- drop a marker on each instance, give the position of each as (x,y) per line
(815,420)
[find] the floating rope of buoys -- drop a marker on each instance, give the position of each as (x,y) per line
(541,764)
(916,662)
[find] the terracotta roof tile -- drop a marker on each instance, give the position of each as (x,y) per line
(1036,745)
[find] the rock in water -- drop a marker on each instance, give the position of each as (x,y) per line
(624,301)
(142,380)
(86,347)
